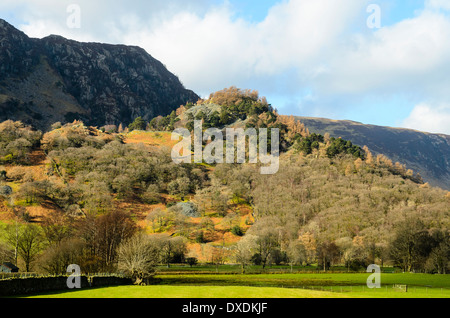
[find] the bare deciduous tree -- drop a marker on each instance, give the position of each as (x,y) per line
(137,258)
(30,244)
(245,249)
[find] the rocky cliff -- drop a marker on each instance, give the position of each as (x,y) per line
(55,79)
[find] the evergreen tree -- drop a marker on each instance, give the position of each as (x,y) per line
(137,124)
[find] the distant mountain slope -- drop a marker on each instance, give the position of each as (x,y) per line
(54,79)
(425,153)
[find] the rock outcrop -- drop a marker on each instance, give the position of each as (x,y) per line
(43,81)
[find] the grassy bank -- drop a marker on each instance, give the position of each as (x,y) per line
(274,286)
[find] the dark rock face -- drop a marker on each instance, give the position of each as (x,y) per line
(54,79)
(17,51)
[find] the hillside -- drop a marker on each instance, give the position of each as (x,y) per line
(86,192)
(425,153)
(43,81)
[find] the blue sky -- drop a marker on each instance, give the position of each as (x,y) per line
(309,58)
(254,11)
(394,11)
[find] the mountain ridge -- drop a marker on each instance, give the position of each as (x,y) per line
(424,152)
(98,83)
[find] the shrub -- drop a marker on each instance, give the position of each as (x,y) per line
(151,195)
(20,174)
(256,259)
(236,230)
(56,125)
(17,141)
(192,261)
(200,237)
(180,186)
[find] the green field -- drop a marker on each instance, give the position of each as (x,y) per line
(166,291)
(352,285)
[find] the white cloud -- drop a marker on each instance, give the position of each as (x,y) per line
(438,4)
(205,45)
(216,50)
(102,20)
(304,51)
(429,118)
(412,55)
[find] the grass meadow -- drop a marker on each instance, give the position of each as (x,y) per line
(318,285)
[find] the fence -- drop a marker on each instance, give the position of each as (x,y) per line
(384,291)
(398,287)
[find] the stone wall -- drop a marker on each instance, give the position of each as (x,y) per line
(38,285)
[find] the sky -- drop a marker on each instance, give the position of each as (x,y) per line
(380,62)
